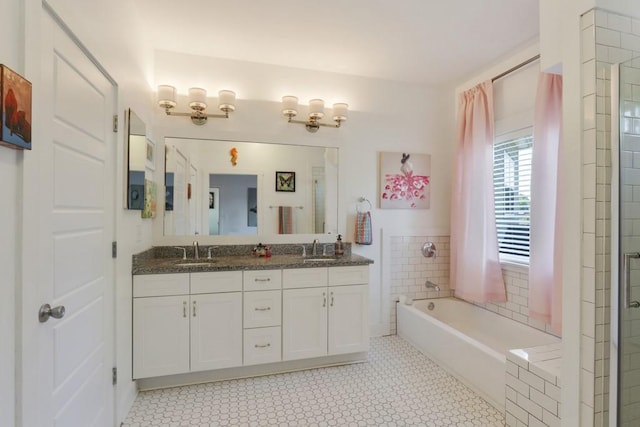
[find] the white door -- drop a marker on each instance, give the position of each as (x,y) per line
(304,323)
(214,211)
(68,228)
(216,331)
(348,319)
(160,336)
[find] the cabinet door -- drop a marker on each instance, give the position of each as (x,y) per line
(216,331)
(304,323)
(348,319)
(160,336)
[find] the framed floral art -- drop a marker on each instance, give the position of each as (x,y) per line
(405,180)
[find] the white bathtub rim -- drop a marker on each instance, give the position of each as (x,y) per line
(490,351)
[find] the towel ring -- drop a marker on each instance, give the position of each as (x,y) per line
(363,200)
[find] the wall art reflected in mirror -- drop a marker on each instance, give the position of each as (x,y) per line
(225,188)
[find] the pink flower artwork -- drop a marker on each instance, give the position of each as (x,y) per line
(405,181)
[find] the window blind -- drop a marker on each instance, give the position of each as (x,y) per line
(512,192)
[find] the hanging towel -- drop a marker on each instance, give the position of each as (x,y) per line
(363,228)
(285,220)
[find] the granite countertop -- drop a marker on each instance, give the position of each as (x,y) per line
(161,261)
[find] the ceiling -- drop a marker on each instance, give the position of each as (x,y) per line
(420,41)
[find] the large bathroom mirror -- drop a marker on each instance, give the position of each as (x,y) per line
(227,188)
(137,160)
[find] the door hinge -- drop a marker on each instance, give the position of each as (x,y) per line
(115,123)
(114,249)
(114,375)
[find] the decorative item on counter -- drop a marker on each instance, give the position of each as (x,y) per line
(267,251)
(339,246)
(234,156)
(363,235)
(261,250)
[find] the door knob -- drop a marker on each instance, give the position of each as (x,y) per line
(46,311)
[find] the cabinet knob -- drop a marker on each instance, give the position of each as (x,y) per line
(324,295)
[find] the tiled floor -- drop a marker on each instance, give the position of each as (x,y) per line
(398,386)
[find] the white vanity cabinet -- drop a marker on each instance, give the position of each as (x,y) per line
(325,311)
(199,328)
(204,322)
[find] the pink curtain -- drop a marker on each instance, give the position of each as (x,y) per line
(476,274)
(545,262)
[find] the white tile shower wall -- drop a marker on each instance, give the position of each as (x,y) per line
(410,270)
(630,206)
(607,38)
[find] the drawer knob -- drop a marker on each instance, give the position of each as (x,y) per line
(268,279)
(262,345)
(263,308)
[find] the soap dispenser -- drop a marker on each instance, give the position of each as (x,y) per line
(339,246)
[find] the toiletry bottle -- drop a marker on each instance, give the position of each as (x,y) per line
(339,246)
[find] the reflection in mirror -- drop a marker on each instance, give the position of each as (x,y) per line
(233,204)
(207,194)
(137,157)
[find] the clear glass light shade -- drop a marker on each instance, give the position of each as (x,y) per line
(227,100)
(340,111)
(289,105)
(197,98)
(166,96)
(316,108)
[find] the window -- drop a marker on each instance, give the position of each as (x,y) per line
(512,191)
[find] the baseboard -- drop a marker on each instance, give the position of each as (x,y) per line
(248,371)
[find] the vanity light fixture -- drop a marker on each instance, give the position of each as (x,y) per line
(316,113)
(197,103)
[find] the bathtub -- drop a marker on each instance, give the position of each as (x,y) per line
(468,341)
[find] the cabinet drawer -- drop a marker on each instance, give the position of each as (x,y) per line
(216,281)
(357,275)
(304,277)
(157,285)
(262,345)
(262,308)
(262,280)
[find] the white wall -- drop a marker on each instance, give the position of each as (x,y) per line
(11,27)
(384,116)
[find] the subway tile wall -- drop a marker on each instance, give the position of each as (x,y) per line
(410,270)
(630,238)
(607,38)
(532,390)
(516,280)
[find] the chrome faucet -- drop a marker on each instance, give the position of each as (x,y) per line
(314,247)
(430,285)
(196,249)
